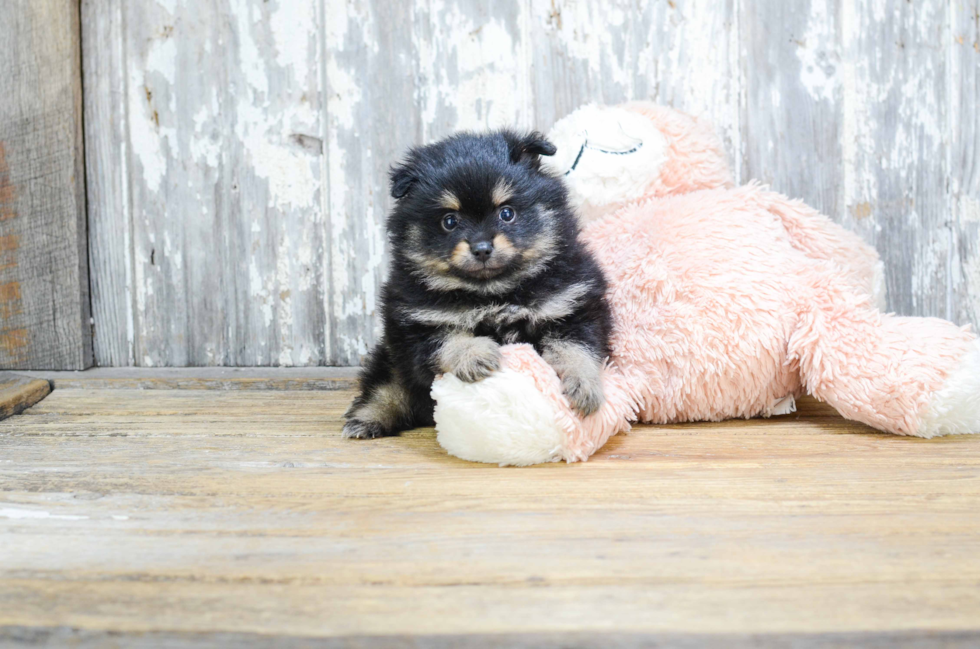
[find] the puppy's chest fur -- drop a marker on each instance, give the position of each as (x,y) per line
(518,317)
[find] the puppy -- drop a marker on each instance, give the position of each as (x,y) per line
(484,251)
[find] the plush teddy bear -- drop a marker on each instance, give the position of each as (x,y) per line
(727,302)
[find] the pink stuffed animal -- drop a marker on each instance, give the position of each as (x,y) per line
(728,302)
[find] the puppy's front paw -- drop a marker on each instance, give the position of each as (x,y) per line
(470,358)
(581,374)
(357,429)
(583,392)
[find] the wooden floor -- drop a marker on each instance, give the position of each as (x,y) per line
(201,517)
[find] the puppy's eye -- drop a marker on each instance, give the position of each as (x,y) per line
(449,222)
(507,214)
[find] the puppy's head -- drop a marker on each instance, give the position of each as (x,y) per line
(477,213)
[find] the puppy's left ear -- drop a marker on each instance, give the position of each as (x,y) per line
(527,148)
(402,176)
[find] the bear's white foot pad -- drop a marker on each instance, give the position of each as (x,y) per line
(503,419)
(955,409)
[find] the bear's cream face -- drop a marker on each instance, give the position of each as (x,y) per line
(607,156)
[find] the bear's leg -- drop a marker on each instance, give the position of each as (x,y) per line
(955,409)
(910,376)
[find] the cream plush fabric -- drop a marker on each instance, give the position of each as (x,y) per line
(728,302)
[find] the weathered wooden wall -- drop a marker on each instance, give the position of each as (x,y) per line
(237,149)
(44,298)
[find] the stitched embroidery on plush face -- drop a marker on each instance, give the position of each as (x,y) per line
(608,156)
(586,145)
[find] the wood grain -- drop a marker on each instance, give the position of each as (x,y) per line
(195,513)
(206,156)
(204,378)
(611,52)
(239,149)
(371,119)
(44,302)
(107,166)
(17,636)
(18,393)
(791,115)
(964,164)
(895,139)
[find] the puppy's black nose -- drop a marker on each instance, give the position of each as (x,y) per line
(482,250)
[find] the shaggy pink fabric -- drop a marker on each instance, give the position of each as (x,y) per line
(727,300)
(695,159)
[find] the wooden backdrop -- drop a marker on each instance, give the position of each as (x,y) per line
(237,149)
(44,283)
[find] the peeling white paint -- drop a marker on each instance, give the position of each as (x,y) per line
(279,84)
(971,270)
(304,259)
(345,95)
(170,6)
(291,175)
(260,291)
(817,52)
(161,58)
(284,311)
(173,254)
(147,136)
(968,209)
(858,119)
(142,290)
(33,514)
(206,151)
(251,61)
(930,265)
(475,72)
(290,24)
(200,117)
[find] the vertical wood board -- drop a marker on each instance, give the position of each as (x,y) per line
(239,149)
(107,173)
(400,74)
(221,113)
(895,143)
(611,52)
(370,117)
(791,110)
(964,165)
(44,302)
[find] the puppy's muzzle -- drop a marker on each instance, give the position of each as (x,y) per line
(482,258)
(482,250)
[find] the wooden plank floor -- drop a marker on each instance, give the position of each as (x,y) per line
(240,516)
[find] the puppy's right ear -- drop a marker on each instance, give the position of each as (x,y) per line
(527,147)
(402,176)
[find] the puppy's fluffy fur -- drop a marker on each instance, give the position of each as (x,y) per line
(484,252)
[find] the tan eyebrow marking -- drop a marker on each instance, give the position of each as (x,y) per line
(502,192)
(450,201)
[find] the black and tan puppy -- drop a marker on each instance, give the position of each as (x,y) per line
(484,251)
